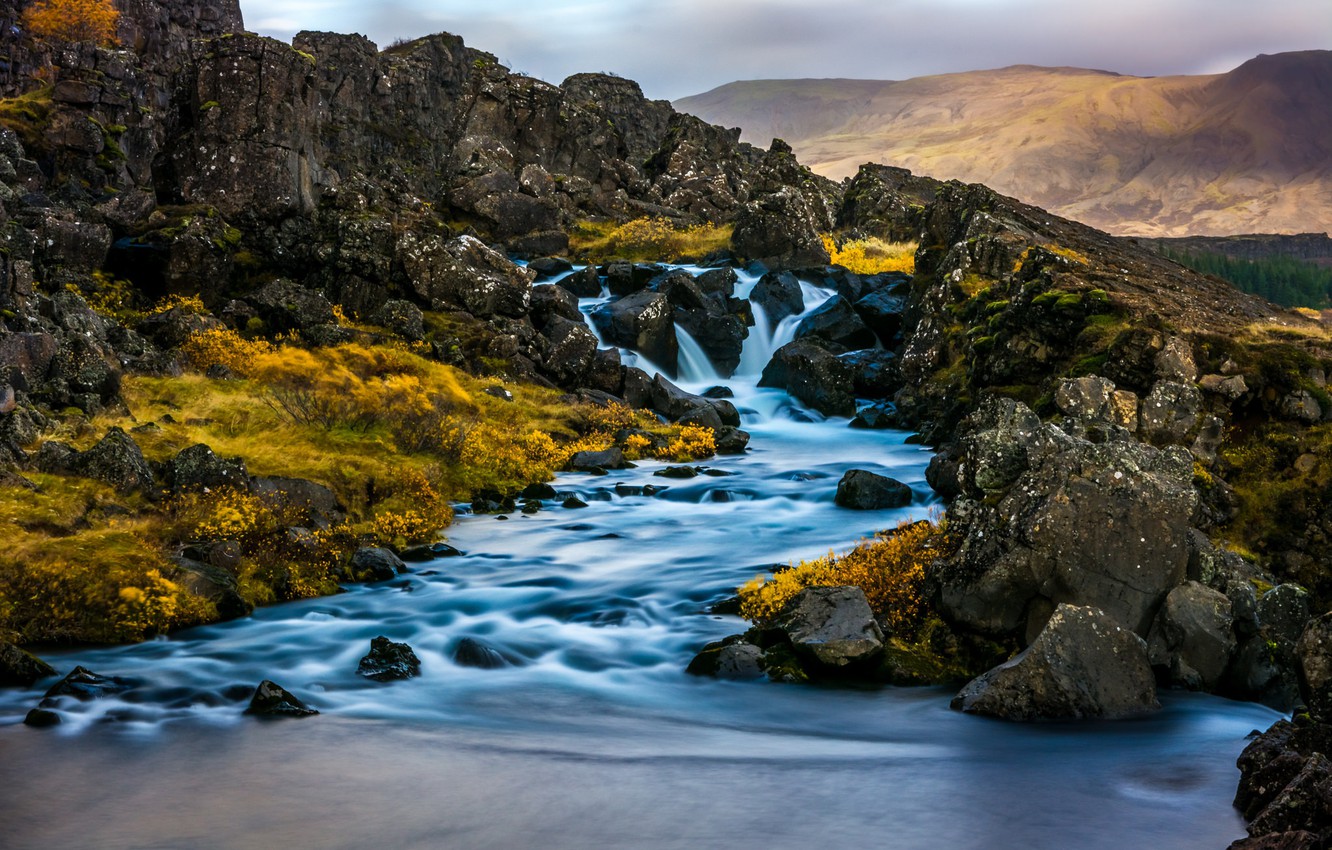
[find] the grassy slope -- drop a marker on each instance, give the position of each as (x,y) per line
(1238,153)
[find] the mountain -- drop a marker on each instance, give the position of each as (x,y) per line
(1242,152)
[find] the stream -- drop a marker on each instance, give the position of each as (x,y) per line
(594,735)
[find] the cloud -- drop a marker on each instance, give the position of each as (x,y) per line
(679,47)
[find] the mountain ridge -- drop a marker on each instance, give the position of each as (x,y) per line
(1241,152)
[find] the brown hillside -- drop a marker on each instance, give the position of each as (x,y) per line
(1243,152)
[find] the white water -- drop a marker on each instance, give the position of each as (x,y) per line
(596,737)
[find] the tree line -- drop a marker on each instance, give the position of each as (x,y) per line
(1281,280)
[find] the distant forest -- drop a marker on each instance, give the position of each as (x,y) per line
(1282,280)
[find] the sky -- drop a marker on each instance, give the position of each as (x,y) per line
(675,48)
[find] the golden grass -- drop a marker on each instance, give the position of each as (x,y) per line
(872,255)
(645,239)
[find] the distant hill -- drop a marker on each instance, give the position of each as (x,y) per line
(1249,151)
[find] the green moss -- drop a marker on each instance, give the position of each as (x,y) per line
(209,105)
(29,116)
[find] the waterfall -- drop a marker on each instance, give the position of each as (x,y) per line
(695,365)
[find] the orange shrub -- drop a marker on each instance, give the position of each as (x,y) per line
(73,20)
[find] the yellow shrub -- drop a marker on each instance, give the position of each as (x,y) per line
(890,569)
(648,239)
(224,347)
(694,442)
(187,303)
(635,445)
(225,514)
(872,256)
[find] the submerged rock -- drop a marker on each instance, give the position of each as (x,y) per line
(272,700)
(373,563)
(1082,665)
(41,718)
(84,685)
(388,661)
(473,653)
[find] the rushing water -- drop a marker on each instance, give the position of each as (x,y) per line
(594,736)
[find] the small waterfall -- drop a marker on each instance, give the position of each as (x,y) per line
(758,347)
(695,365)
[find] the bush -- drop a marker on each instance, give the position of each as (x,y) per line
(890,568)
(657,239)
(224,347)
(872,255)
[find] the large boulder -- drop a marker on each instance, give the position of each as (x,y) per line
(299,500)
(462,273)
(285,306)
(1082,665)
(216,584)
(832,628)
(778,295)
(682,406)
(198,468)
(813,376)
(375,563)
(1285,787)
(1193,640)
(1045,518)
(875,372)
(84,685)
(573,348)
(881,311)
(863,490)
(115,460)
(644,322)
(1314,654)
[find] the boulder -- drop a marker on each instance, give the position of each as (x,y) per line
(1314,657)
(778,295)
(612,458)
(272,700)
(875,373)
(1283,613)
(41,718)
(573,349)
(374,563)
(429,552)
(881,311)
(877,416)
(627,278)
(19,668)
(677,404)
(118,461)
(286,306)
(298,500)
(584,283)
(831,628)
(198,468)
(1170,413)
(863,490)
(400,317)
(813,376)
(731,441)
(780,228)
(1192,640)
(387,661)
(1285,786)
(553,300)
(548,267)
(728,659)
(84,685)
(216,584)
(463,274)
(836,325)
(473,653)
(1082,665)
(643,322)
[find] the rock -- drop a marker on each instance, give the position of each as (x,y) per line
(306,502)
(499,392)
(731,441)
(627,278)
(836,324)
(272,700)
(612,458)
(1230,388)
(548,267)
(1283,613)
(197,468)
(462,273)
(118,461)
(676,404)
(1305,803)
(1169,413)
(41,718)
(387,661)
(876,416)
(286,306)
(778,295)
(584,283)
(863,490)
(781,228)
(643,322)
(728,659)
(539,490)
(831,628)
(372,563)
(573,502)
(874,373)
(170,328)
(720,281)
(400,317)
(1082,665)
(573,349)
(428,552)
(473,653)
(812,376)
(84,685)
(216,584)
(1301,406)
(549,301)
(1042,517)
(881,311)
(1314,656)
(1175,362)
(1192,640)
(19,668)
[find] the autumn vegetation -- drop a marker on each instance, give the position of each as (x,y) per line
(656,239)
(90,21)
(872,255)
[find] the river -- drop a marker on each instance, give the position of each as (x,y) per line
(594,735)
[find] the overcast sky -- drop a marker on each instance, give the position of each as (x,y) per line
(680,47)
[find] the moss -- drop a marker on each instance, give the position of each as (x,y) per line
(209,105)
(29,116)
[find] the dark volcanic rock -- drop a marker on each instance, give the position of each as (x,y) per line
(863,490)
(216,584)
(1314,654)
(83,685)
(1082,665)
(835,323)
(643,322)
(813,376)
(387,661)
(464,274)
(115,460)
(779,296)
(1193,640)
(41,718)
(303,501)
(875,373)
(881,312)
(611,458)
(19,668)
(272,700)
(198,468)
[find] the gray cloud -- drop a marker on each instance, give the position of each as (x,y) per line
(679,47)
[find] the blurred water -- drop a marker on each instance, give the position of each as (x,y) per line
(594,736)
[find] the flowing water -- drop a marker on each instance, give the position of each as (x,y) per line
(594,736)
